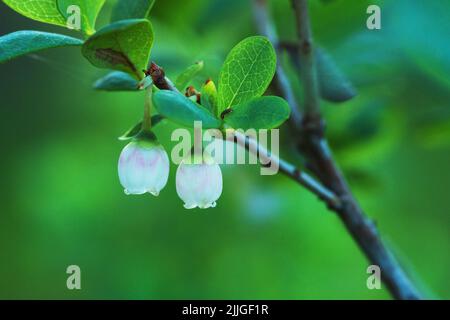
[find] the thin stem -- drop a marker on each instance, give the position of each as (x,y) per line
(147,121)
(288,169)
(306,57)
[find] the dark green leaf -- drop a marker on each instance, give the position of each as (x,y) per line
(183,111)
(117,81)
(23,42)
(333,85)
(136,9)
(247,72)
(260,113)
(124,45)
(89,10)
(183,79)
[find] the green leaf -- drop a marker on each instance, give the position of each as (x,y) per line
(124,45)
(133,131)
(187,75)
(20,43)
(333,85)
(183,111)
(117,81)
(136,9)
(39,10)
(209,97)
(247,72)
(89,10)
(260,113)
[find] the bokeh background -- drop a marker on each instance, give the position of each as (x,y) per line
(61,202)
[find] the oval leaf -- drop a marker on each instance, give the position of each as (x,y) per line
(89,10)
(183,111)
(136,9)
(247,72)
(124,45)
(187,75)
(333,85)
(20,43)
(39,10)
(260,113)
(117,81)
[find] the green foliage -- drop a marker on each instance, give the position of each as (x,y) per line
(187,75)
(124,45)
(247,72)
(260,113)
(333,85)
(183,111)
(136,9)
(39,10)
(89,10)
(55,12)
(20,43)
(117,81)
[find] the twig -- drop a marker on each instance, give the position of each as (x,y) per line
(315,147)
(159,77)
(288,169)
(251,145)
(306,57)
(267,28)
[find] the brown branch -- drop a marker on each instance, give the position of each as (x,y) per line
(315,147)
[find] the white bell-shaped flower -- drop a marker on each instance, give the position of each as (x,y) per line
(143,167)
(199,184)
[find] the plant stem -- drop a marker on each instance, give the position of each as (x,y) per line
(315,147)
(288,169)
(147,121)
(306,56)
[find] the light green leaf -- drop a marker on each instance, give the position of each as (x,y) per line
(89,10)
(124,45)
(260,113)
(209,97)
(333,85)
(20,43)
(136,9)
(117,81)
(39,10)
(133,131)
(187,75)
(247,72)
(183,111)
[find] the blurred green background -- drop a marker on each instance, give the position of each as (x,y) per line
(268,238)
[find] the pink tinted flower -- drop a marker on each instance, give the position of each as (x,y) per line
(143,167)
(199,185)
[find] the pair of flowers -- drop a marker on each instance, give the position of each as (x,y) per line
(144,167)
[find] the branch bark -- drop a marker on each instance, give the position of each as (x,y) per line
(313,144)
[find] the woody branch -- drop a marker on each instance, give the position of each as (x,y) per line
(313,144)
